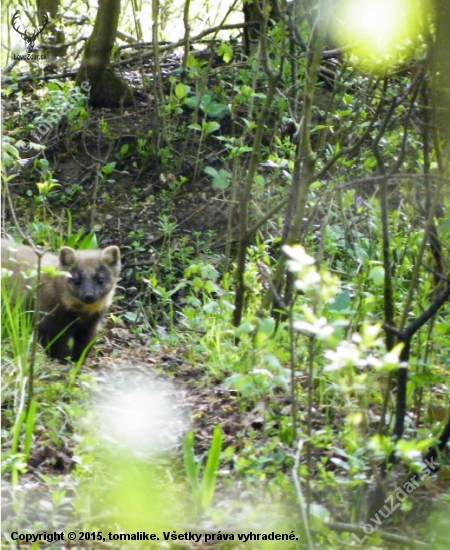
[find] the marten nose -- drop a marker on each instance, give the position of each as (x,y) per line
(89,298)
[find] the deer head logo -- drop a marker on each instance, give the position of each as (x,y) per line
(28,36)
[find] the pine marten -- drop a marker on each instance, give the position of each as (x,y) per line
(72,305)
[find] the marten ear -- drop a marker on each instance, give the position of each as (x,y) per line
(111,257)
(67,256)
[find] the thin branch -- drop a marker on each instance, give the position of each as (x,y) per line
(359,530)
(301,499)
(418,323)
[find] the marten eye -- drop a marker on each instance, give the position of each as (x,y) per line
(75,280)
(100,280)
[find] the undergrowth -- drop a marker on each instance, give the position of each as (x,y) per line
(309,428)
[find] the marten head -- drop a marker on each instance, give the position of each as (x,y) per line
(91,277)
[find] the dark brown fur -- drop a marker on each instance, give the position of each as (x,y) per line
(71,305)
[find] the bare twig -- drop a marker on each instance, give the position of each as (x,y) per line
(359,530)
(301,499)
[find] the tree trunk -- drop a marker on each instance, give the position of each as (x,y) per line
(252,19)
(54,35)
(304,169)
(106,88)
(441,76)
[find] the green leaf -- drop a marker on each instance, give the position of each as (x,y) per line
(267,326)
(20,419)
(89,242)
(212,467)
(206,100)
(226,51)
(108,168)
(131,316)
(210,127)
(222,182)
(341,302)
(251,124)
(210,107)
(211,307)
(221,179)
(246,90)
(29,428)
(195,127)
(211,171)
(52,86)
(377,274)
(181,90)
(215,109)
(192,102)
(445,226)
(208,271)
(193,62)
(190,465)
(244,328)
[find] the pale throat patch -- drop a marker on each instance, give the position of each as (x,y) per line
(75,304)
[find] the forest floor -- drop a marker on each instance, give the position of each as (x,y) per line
(128,208)
(146,206)
(124,209)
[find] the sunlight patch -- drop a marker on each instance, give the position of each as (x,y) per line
(380,33)
(140,413)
